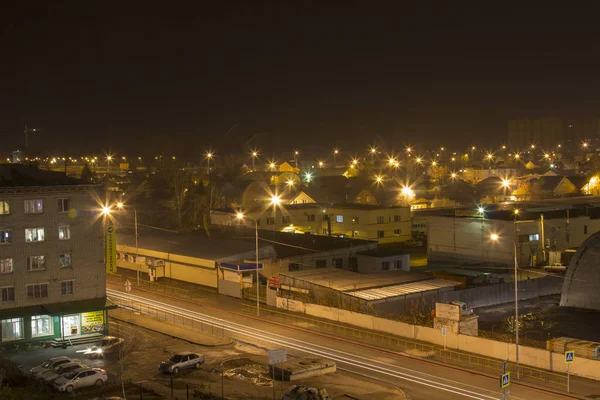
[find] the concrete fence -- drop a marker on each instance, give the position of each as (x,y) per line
(538,358)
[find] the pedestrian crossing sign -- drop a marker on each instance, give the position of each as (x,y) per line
(569,357)
(505,381)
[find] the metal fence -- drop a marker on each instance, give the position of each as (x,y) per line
(194,323)
(413,347)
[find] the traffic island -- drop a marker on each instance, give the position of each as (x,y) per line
(301,368)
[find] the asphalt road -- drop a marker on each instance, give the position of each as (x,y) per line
(418,379)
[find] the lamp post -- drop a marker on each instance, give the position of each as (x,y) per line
(209,156)
(254,155)
(108,160)
(240,216)
(120,206)
(494,237)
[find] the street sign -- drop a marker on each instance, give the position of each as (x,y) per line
(274,282)
(127,286)
(569,357)
(277,356)
(444,331)
(505,380)
(110,248)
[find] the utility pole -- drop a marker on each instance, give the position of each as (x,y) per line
(26,131)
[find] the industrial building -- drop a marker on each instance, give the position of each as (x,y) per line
(580,288)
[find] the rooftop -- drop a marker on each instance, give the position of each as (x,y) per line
(403,289)
(348,281)
(22,175)
(383,252)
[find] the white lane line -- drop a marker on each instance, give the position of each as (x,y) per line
(302,346)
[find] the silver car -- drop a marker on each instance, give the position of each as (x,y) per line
(35,372)
(82,377)
(51,375)
(181,361)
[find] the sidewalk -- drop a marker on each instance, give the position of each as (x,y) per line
(189,334)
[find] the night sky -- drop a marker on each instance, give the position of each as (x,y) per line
(109,76)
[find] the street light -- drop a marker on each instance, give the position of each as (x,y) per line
(108,160)
(321,164)
(254,155)
(494,237)
(209,156)
(240,216)
(121,206)
(335,153)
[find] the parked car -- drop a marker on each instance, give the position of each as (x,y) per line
(52,374)
(181,361)
(82,377)
(47,365)
(556,267)
(108,345)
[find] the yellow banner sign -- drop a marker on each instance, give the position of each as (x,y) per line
(111,249)
(92,322)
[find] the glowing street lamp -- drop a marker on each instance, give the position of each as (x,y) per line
(392,161)
(378,179)
(532,146)
(335,154)
(321,164)
(275,200)
(373,150)
(272,166)
(209,156)
(106,210)
(505,183)
(584,145)
(494,237)
(254,155)
(108,160)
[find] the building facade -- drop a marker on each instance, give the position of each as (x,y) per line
(367,222)
(52,272)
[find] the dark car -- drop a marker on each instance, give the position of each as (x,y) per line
(108,345)
(181,361)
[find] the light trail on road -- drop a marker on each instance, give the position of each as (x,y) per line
(354,360)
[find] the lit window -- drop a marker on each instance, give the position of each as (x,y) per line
(63,205)
(8,293)
(339,219)
(66,288)
(37,291)
(34,206)
(64,232)
(41,325)
(36,263)
(355,220)
(12,329)
(4,208)
(5,236)
(65,260)
(34,235)
(6,265)
(533,237)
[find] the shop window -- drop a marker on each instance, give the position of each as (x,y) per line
(5,236)
(34,235)
(385,266)
(8,293)
(34,206)
(63,205)
(380,219)
(66,288)
(4,207)
(6,265)
(41,325)
(65,260)
(37,291)
(36,263)
(64,232)
(12,329)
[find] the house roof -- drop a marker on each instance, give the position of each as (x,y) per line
(20,175)
(336,189)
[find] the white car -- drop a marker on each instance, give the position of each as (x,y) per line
(82,377)
(48,365)
(53,374)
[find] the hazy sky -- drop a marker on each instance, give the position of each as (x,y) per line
(119,76)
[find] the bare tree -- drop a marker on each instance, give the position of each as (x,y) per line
(126,351)
(179,183)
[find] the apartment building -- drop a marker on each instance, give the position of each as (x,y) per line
(52,273)
(359,221)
